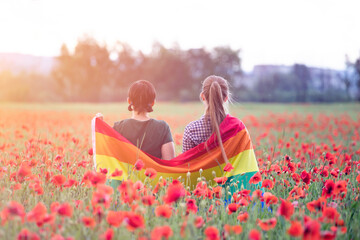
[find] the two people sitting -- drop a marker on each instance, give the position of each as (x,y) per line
(154,136)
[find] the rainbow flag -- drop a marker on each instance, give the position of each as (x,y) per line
(112,151)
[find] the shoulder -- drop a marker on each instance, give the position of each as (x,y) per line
(194,125)
(233,122)
(159,123)
(120,124)
(117,124)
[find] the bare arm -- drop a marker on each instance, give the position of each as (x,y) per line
(168,151)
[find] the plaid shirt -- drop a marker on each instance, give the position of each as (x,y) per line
(196,132)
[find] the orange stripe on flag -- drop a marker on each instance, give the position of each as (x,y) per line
(128,153)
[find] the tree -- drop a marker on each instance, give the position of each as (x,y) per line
(227,63)
(357,71)
(81,75)
(345,77)
(201,65)
(169,71)
(303,77)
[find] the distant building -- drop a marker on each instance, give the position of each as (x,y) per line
(321,78)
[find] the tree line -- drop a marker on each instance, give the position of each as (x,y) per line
(93,72)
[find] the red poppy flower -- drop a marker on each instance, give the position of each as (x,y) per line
(108,234)
(270,198)
(38,213)
(115,218)
(358,179)
(23,171)
(58,180)
(88,222)
(340,187)
(328,188)
(138,185)
(327,235)
(212,233)
(335,172)
(324,173)
(296,193)
(237,229)
(28,235)
(103,170)
(267,183)
(217,192)
(150,172)
(267,224)
(70,182)
(286,209)
(233,207)
(254,235)
(296,229)
(117,173)
(312,230)
(296,177)
(90,151)
(174,192)
(330,214)
(292,167)
(102,195)
(148,200)
(163,211)
(94,178)
(316,205)
(199,221)
(134,221)
(13,209)
(139,164)
(36,187)
(257,194)
(191,205)
(220,180)
(243,202)
(65,210)
(243,216)
(306,177)
(228,167)
(162,232)
(256,178)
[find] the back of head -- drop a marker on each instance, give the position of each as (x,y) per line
(216,91)
(141,96)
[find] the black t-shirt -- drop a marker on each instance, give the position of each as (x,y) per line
(154,133)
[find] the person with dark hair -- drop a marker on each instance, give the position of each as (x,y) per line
(215,94)
(150,135)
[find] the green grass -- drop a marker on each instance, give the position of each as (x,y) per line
(194,108)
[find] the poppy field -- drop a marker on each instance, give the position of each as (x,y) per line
(308,156)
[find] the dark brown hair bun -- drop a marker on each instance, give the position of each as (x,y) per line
(142,96)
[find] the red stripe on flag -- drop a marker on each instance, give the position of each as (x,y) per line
(228,128)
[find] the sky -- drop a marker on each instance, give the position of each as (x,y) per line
(313,32)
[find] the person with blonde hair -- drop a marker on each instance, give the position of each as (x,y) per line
(215,95)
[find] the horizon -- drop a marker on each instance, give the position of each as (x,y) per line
(280,32)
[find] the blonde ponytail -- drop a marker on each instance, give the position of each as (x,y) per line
(216,90)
